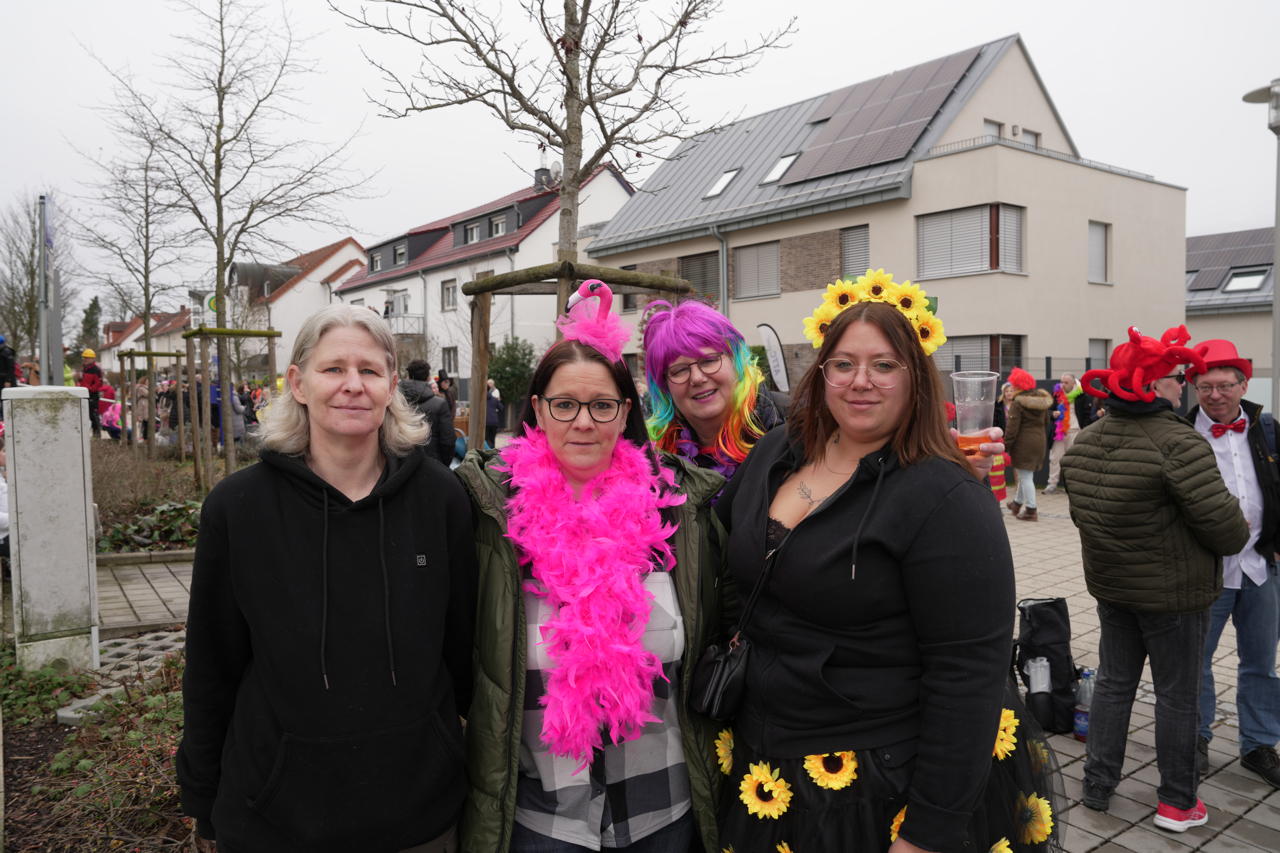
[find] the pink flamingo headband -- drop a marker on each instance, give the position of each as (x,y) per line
(596,327)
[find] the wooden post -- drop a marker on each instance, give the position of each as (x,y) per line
(127,416)
(480,306)
(210,438)
(197,458)
(177,401)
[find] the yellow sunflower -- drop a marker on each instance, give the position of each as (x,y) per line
(876,282)
(929,328)
(842,293)
(724,751)
(728,849)
(815,327)
(832,770)
(1039,756)
(1001,846)
(1006,740)
(784,847)
(910,298)
(764,793)
(1036,816)
(897,824)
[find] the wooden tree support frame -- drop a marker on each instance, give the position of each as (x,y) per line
(201,432)
(126,405)
(541,280)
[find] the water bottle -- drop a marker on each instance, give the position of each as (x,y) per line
(1039,683)
(1084,698)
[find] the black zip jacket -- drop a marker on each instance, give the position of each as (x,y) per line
(435,409)
(1267,468)
(886,624)
(328,659)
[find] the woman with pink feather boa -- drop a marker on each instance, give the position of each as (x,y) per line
(597,591)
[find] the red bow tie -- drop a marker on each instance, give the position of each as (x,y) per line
(1219,430)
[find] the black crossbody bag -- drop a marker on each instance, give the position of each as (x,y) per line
(721,672)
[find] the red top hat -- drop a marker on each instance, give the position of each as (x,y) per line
(1220,353)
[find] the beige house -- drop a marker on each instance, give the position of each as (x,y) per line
(1230,282)
(957,174)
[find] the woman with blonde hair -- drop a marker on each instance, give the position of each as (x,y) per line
(332,605)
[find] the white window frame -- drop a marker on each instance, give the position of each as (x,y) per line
(497,226)
(449,361)
(855,251)
(400,302)
(1099,255)
(958,242)
(471,233)
(449,294)
(779,168)
(1245,274)
(991,127)
(756,272)
(1031,137)
(375,261)
(400,254)
(721,183)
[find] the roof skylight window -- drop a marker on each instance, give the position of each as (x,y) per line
(779,168)
(721,183)
(1244,280)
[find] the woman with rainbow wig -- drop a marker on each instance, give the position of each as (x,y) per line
(705,396)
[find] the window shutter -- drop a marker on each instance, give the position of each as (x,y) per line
(953,242)
(974,352)
(703,272)
(1010,238)
(855,251)
(1098,251)
(755,271)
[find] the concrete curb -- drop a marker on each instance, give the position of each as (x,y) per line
(133,558)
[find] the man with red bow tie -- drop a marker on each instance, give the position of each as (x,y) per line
(1243,442)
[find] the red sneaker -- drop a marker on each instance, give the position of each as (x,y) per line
(1180,820)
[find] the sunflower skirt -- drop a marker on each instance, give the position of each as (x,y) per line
(848,801)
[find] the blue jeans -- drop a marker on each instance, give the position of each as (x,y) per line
(1026,493)
(1173,642)
(674,838)
(1255,611)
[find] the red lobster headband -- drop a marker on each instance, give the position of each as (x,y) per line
(1141,361)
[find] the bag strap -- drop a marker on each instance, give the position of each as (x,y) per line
(755,593)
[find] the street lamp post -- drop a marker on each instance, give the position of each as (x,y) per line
(1270,95)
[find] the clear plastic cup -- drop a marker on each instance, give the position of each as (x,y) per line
(974,392)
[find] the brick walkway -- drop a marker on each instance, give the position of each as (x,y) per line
(1244,812)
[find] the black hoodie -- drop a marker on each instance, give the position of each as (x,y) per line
(328,659)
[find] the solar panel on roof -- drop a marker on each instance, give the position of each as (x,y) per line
(880,120)
(1207,279)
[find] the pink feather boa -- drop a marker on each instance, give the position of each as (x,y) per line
(590,556)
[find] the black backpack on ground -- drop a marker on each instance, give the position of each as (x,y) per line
(1044,630)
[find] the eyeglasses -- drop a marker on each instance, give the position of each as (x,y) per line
(882,372)
(682,373)
(566,409)
(1176,377)
(1221,388)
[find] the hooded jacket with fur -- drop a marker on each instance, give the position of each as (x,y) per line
(1025,435)
(328,659)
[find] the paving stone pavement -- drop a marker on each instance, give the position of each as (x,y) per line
(1244,812)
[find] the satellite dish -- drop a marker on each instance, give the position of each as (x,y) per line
(557,169)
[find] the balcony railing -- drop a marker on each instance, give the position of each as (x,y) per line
(983,141)
(405,324)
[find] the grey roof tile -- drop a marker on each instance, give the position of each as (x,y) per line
(1212,257)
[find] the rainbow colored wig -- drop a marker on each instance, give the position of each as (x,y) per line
(687,329)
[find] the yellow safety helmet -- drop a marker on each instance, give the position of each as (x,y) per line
(88,353)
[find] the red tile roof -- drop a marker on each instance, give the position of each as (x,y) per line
(340,272)
(166,323)
(121,331)
(443,252)
(307,263)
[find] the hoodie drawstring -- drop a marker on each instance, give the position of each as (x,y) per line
(857,535)
(324,589)
(386,594)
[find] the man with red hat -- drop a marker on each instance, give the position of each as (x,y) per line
(1243,442)
(1155,521)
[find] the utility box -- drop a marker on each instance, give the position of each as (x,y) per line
(51,527)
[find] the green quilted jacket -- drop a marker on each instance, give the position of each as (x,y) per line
(493,727)
(1155,517)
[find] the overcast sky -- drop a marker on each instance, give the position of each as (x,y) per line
(1150,86)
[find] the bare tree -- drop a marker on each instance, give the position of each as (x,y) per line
(19,272)
(602,80)
(228,141)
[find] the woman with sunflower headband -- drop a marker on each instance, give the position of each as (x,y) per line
(877,712)
(597,590)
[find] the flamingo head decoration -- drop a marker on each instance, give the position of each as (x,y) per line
(594,325)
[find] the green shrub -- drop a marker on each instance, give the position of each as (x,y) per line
(28,697)
(166,527)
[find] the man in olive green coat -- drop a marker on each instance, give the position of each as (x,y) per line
(1155,520)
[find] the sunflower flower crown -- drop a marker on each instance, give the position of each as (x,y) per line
(877,286)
